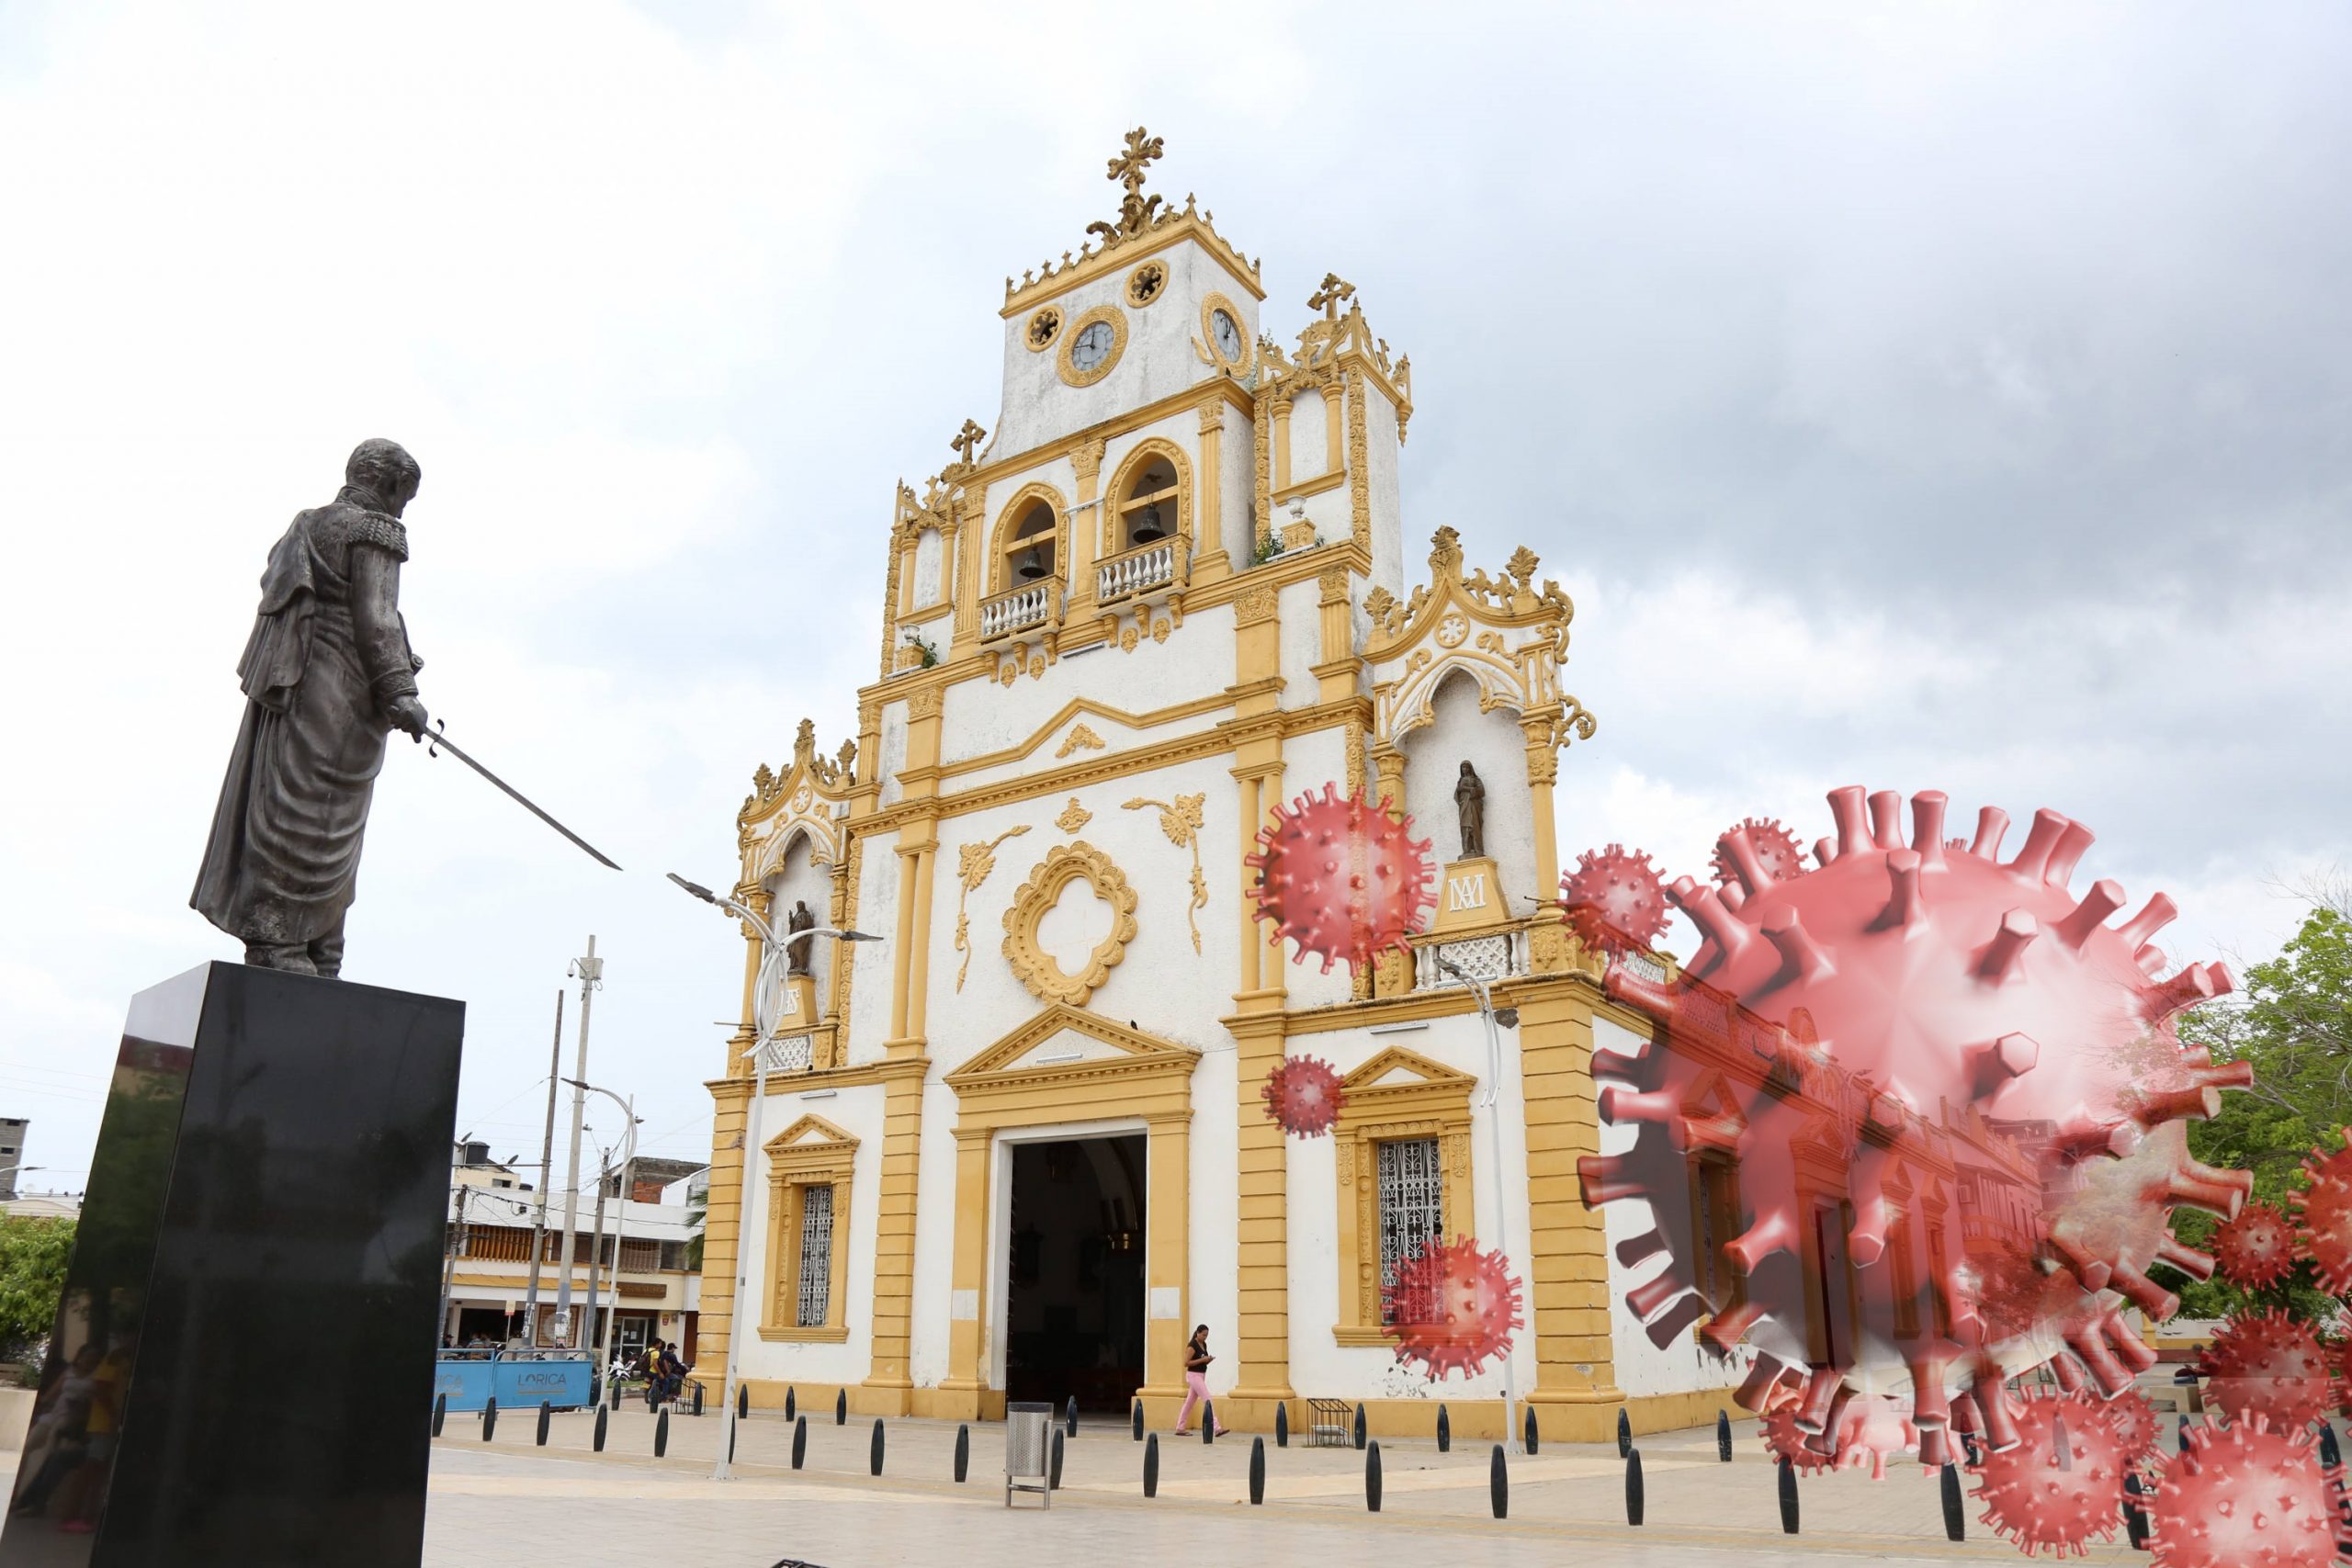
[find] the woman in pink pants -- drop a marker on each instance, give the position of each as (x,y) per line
(1197,1379)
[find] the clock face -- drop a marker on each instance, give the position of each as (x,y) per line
(1091,346)
(1228,334)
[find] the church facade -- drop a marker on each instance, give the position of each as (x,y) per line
(1021,1146)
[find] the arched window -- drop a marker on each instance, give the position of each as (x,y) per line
(1148,513)
(1029,549)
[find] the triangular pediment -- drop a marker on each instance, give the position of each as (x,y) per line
(810,1132)
(1399,1068)
(1073,1039)
(1084,729)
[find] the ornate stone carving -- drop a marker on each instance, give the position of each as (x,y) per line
(1135,209)
(1180,820)
(973,864)
(1079,737)
(925,702)
(1074,817)
(1037,969)
(1253,605)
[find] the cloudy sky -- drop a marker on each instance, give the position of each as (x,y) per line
(1951,397)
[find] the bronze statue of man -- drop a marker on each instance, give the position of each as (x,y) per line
(1470,806)
(795,954)
(327,675)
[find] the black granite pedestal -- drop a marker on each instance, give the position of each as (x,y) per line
(242,1371)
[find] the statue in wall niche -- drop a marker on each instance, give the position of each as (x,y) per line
(327,675)
(1470,806)
(797,953)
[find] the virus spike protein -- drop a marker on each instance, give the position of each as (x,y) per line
(1345,880)
(2244,1494)
(1303,1095)
(1935,1026)
(1452,1307)
(2062,1485)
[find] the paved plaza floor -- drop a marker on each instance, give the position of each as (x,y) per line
(510,1501)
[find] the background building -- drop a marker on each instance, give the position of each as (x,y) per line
(12,1152)
(1021,1146)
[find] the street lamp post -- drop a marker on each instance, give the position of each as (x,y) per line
(1492,1101)
(603,1340)
(775,956)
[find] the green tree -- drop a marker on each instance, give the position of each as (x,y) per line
(2292,1019)
(33,1254)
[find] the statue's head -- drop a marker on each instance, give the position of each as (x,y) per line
(385,470)
(1466,770)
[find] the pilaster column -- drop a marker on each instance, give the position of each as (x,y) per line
(1086,527)
(894,1241)
(968,1277)
(1261,1362)
(1543,769)
(1567,1246)
(1167,1255)
(723,1222)
(1209,559)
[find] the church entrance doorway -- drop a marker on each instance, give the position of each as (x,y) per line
(1074,1310)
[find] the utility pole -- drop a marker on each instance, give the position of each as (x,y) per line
(591,973)
(589,1335)
(620,1230)
(547,1164)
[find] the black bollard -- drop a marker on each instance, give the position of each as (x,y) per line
(697,1399)
(662,1435)
(1787,1498)
(1444,1431)
(1359,1428)
(789,1404)
(732,1432)
(1371,1479)
(1151,1465)
(614,1390)
(1529,1429)
(742,1402)
(840,1408)
(962,1451)
(1625,1434)
(1135,1422)
(874,1457)
(2328,1452)
(1069,1416)
(546,1415)
(1054,1476)
(601,1412)
(1633,1488)
(1257,1471)
(1968,1446)
(1282,1424)
(1498,1482)
(2184,1434)
(1723,1436)
(799,1440)
(1208,1420)
(489,1418)
(1955,1528)
(2135,1516)
(440,1412)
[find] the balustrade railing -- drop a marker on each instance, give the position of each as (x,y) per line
(1163,563)
(1033,606)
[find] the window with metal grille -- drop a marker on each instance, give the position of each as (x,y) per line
(1412,1215)
(816,1256)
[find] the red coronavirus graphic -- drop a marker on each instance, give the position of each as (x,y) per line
(1452,1307)
(2324,1209)
(2139,1431)
(2256,1248)
(1344,880)
(1949,1033)
(1615,900)
(2268,1365)
(1869,1432)
(1303,1094)
(1778,855)
(2244,1495)
(2062,1485)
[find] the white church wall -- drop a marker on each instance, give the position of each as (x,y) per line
(1195,661)
(1385,495)
(1310,452)
(934,1231)
(929,584)
(1494,745)
(871,962)
(1237,487)
(1321,1366)
(894,752)
(1643,1368)
(857,1111)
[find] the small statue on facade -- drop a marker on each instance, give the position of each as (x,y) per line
(1470,806)
(797,953)
(327,675)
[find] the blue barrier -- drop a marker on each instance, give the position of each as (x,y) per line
(470,1383)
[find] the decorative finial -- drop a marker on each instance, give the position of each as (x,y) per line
(1335,291)
(1135,209)
(965,440)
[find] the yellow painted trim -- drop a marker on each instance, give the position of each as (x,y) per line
(1001,537)
(1315,486)
(1038,970)
(1113,507)
(1186,226)
(795,1164)
(1211,303)
(1106,315)
(1434,1103)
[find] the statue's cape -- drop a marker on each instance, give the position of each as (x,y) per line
(304,573)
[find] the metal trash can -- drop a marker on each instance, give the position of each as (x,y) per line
(1025,1451)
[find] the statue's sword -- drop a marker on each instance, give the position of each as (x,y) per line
(438,742)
